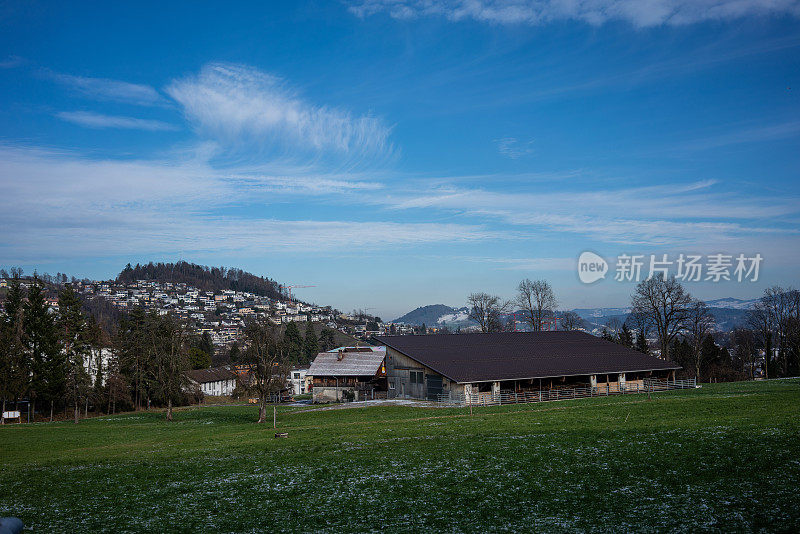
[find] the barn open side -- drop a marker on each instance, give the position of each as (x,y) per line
(476,365)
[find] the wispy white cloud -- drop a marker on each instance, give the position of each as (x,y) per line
(757,134)
(11,62)
(45,180)
(138,233)
(529,264)
(71,206)
(97,120)
(640,13)
(697,212)
(513,148)
(113,90)
(239,104)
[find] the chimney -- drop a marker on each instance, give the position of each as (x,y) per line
(340,355)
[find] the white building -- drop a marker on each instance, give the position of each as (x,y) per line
(298,382)
(219,381)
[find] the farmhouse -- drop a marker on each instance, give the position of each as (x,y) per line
(298,381)
(423,367)
(356,371)
(217,381)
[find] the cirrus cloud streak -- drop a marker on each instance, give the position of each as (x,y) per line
(640,13)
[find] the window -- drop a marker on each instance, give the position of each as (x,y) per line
(391,384)
(416,377)
(297,375)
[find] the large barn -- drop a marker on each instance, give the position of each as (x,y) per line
(424,367)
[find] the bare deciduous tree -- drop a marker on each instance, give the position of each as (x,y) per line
(762,322)
(699,324)
(571,321)
(537,301)
(744,343)
(614,325)
(486,310)
(775,318)
(664,305)
(776,303)
(268,364)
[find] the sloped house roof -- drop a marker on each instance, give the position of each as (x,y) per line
(204,376)
(467,358)
(351,363)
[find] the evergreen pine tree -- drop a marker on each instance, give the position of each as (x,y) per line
(45,361)
(625,337)
(13,364)
(72,331)
(234,353)
(135,359)
(310,343)
(97,341)
(168,341)
(641,343)
(327,340)
(207,345)
(198,358)
(293,342)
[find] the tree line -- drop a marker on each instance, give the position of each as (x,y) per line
(203,278)
(43,355)
(686,332)
(535,305)
(683,327)
(65,361)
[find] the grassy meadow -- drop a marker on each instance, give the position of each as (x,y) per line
(722,458)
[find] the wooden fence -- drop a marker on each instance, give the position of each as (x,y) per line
(547,395)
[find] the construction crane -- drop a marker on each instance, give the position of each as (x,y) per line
(287,289)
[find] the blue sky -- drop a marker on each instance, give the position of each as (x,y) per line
(401,153)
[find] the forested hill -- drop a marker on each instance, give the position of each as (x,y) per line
(204,278)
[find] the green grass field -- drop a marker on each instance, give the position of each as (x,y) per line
(722,458)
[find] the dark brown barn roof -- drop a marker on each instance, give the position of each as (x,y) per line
(521,355)
(203,376)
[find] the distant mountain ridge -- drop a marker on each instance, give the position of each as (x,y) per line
(436,315)
(204,278)
(730,302)
(728,312)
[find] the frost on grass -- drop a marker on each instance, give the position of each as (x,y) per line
(531,471)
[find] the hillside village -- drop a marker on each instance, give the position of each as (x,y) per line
(222,314)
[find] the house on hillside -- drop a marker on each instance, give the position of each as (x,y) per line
(359,371)
(219,381)
(423,367)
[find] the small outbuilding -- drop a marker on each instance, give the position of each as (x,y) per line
(429,366)
(349,373)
